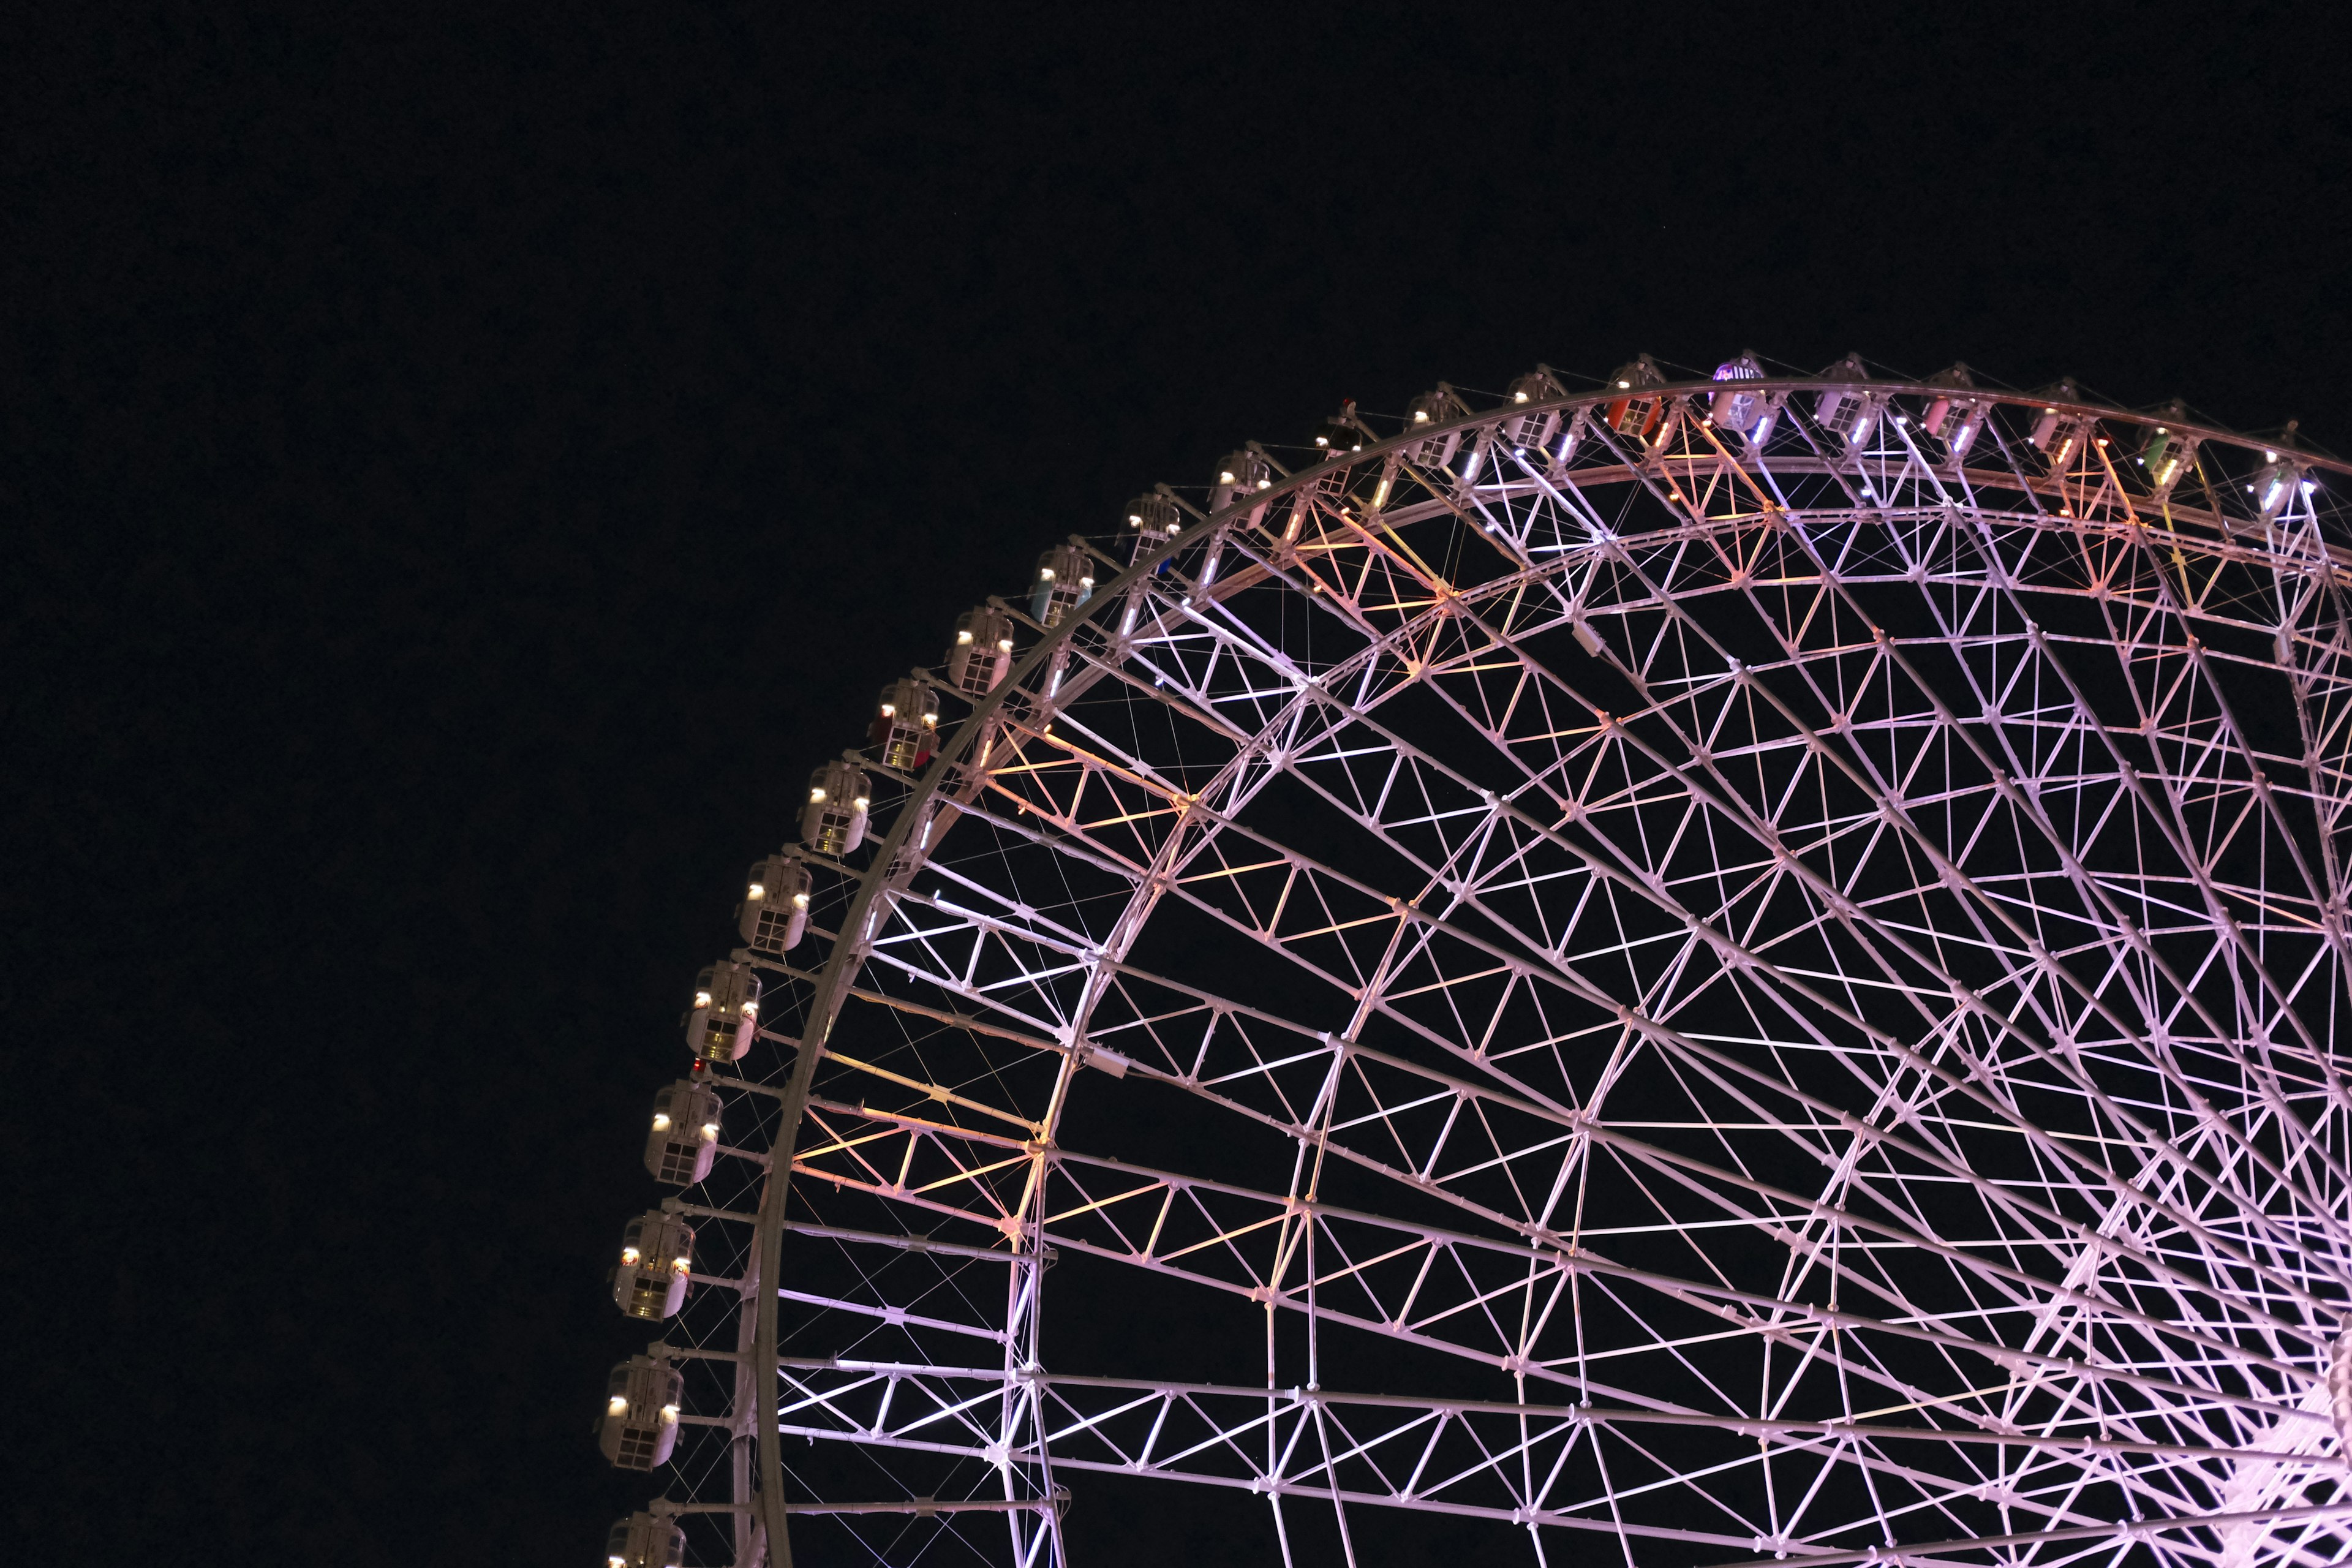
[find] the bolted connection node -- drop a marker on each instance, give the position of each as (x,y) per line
(641,1407)
(685,1137)
(657,1254)
(646,1541)
(906,727)
(833,820)
(774,910)
(725,1016)
(981,655)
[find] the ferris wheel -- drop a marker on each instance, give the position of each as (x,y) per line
(1697,970)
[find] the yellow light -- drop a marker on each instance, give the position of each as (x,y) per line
(1086,582)
(1519,397)
(1266,484)
(1420,417)
(964,639)
(859,803)
(890,709)
(1135,520)
(1224,476)
(661,1122)
(1625,386)
(1044,574)
(616,1405)
(702,998)
(800,901)
(750,1012)
(817,797)
(710,1132)
(629,1256)
(683,1265)
(669,1413)
(1004,644)
(757,893)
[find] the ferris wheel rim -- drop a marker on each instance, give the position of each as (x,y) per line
(890,853)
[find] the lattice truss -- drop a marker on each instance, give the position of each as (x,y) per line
(1751,1000)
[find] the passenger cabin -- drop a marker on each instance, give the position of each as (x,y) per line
(1065,580)
(685,1137)
(906,729)
(725,1016)
(833,820)
(774,910)
(646,1541)
(641,1409)
(656,1256)
(981,655)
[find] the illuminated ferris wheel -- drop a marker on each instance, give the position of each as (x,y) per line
(1706,971)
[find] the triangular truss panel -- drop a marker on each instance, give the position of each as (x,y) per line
(1696,973)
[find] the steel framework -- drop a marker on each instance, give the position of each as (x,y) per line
(1772,948)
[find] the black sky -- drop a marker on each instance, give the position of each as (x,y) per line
(461,469)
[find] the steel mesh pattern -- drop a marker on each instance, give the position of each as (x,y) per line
(1696,996)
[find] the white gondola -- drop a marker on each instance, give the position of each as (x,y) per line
(833,821)
(1534,435)
(646,1541)
(2276,482)
(725,1017)
(981,656)
(684,1136)
(906,729)
(1240,476)
(1849,414)
(641,1409)
(656,1256)
(1065,580)
(774,910)
(1430,411)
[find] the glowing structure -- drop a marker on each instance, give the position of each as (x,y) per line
(1720,971)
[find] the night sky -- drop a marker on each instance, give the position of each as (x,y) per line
(461,470)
